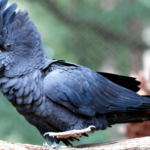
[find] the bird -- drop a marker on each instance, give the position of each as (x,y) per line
(62,100)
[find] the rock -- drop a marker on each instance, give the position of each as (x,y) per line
(131,144)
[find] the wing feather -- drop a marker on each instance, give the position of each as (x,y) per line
(87,92)
(78,89)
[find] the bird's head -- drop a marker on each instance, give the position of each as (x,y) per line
(20,42)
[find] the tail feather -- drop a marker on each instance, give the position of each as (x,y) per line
(127,117)
(146,96)
(129,101)
(124,81)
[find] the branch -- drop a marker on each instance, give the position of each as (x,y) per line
(130,144)
(96,28)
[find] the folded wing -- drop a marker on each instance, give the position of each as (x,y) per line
(86,92)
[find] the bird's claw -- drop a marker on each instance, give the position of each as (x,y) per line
(54,146)
(72,133)
(45,144)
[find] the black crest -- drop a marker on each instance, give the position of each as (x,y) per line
(6,12)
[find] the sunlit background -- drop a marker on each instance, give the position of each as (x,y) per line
(104,35)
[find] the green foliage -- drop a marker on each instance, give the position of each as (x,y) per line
(81,44)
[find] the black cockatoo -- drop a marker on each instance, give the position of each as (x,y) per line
(58,96)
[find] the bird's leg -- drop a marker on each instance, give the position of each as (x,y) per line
(72,133)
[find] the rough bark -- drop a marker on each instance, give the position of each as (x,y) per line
(132,144)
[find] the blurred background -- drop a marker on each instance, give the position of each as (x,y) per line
(104,35)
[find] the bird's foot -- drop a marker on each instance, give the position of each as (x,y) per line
(45,144)
(54,146)
(72,133)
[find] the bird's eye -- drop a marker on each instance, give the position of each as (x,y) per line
(8,45)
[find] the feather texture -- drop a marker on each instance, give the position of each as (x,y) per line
(55,95)
(6,12)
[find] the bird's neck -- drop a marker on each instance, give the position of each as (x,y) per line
(24,92)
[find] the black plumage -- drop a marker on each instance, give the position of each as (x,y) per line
(57,96)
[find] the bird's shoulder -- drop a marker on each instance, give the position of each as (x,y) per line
(63,71)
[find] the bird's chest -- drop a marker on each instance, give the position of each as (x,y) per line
(24,92)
